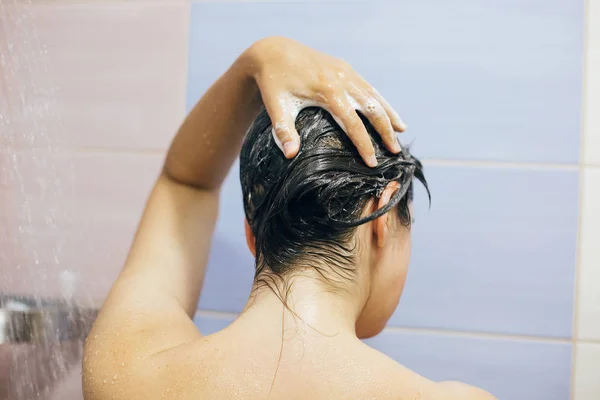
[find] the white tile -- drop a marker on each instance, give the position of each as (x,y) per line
(589,265)
(68,219)
(587,372)
(93,73)
(591,121)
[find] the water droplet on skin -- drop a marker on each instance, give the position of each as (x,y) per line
(95,336)
(104,381)
(115,377)
(122,364)
(96,352)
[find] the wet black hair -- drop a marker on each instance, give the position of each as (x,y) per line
(303,211)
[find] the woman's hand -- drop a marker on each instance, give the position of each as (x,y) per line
(291,77)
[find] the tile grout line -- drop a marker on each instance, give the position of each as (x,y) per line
(430,331)
(427,161)
(576,283)
(89,150)
(116,150)
(69,2)
(215,314)
(275,1)
(479,335)
(497,164)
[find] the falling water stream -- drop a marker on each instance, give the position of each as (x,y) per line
(36,177)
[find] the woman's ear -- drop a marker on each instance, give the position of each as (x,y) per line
(250,239)
(380,225)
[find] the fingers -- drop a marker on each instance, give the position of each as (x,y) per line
(286,137)
(347,118)
(284,126)
(342,104)
(395,119)
(397,123)
(376,114)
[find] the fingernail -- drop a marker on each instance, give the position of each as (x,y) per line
(289,148)
(372,161)
(276,139)
(397,146)
(401,124)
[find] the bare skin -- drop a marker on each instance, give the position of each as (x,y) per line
(144,344)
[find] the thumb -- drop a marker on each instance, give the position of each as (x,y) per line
(286,137)
(284,124)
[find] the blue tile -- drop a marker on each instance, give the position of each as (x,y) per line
(491,79)
(509,369)
(495,253)
(231,265)
(210,325)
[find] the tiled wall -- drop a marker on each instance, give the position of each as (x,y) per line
(103,84)
(492,92)
(504,287)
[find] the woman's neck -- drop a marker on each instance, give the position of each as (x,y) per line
(305,303)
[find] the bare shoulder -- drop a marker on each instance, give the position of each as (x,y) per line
(124,370)
(462,391)
(411,385)
(424,388)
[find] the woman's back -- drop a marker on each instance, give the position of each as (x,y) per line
(252,360)
(247,361)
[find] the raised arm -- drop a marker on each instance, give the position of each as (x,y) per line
(149,307)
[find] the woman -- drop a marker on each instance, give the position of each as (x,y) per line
(331,258)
